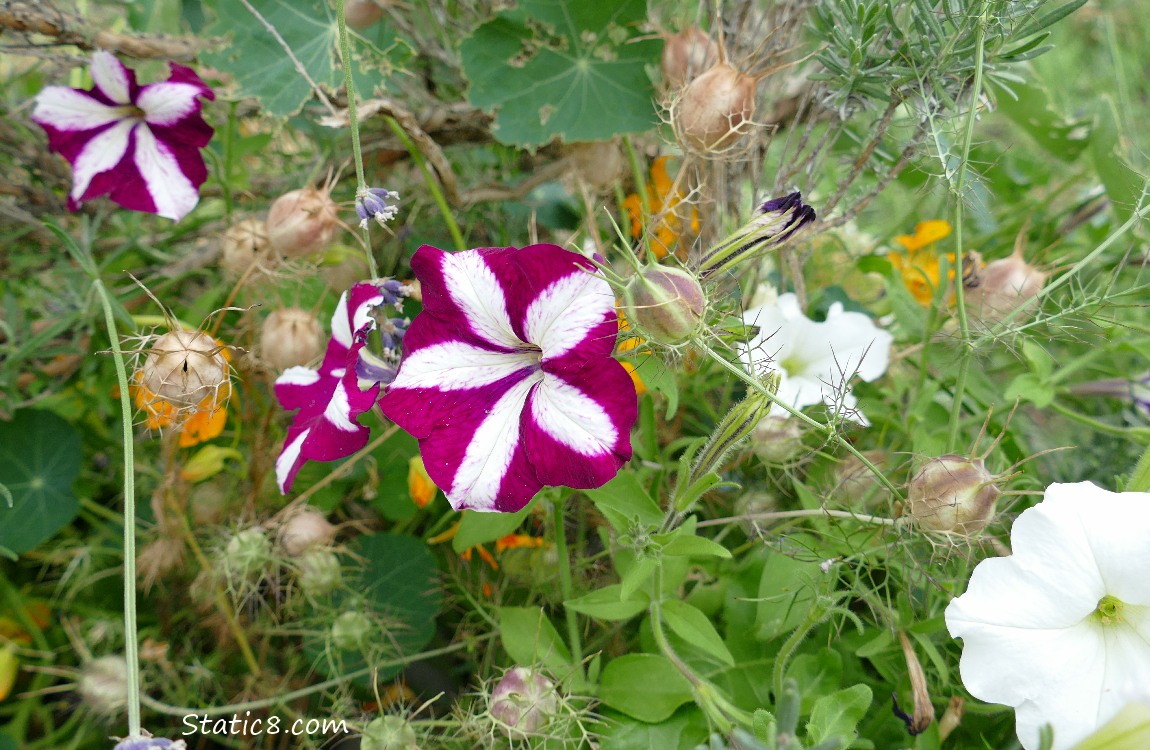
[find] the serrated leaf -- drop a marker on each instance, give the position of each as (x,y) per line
(563,68)
(837,714)
(644,686)
(608,603)
(258,61)
(694,627)
(529,638)
(39,459)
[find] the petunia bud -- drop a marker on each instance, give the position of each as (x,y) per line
(319,572)
(524,701)
(953,494)
(303,530)
(302,222)
(245,244)
(736,425)
(1005,285)
(388,733)
(775,222)
(686,55)
(103,686)
(360,14)
(351,631)
(715,110)
(666,304)
(185,369)
(292,336)
(246,555)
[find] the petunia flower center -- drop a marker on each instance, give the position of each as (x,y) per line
(1109,610)
(131,112)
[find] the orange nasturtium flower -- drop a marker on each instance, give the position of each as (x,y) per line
(919,264)
(419,484)
(660,201)
(626,346)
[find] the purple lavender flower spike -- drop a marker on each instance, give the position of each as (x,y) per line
(507,378)
(139,145)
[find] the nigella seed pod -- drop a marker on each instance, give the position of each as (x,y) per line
(715,110)
(360,14)
(290,337)
(319,572)
(244,245)
(1005,285)
(524,701)
(388,733)
(351,631)
(597,163)
(302,222)
(777,440)
(666,305)
(185,369)
(686,55)
(953,494)
(247,555)
(103,686)
(304,530)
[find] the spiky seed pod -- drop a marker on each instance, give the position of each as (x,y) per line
(302,222)
(953,494)
(667,305)
(289,337)
(524,701)
(103,686)
(716,109)
(686,55)
(388,733)
(1005,285)
(245,244)
(360,14)
(351,631)
(319,572)
(598,163)
(185,369)
(305,530)
(777,440)
(247,555)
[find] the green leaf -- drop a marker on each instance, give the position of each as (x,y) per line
(530,638)
(481,528)
(1123,184)
(258,61)
(837,714)
(785,594)
(644,686)
(608,603)
(636,575)
(1128,730)
(1033,111)
(694,627)
(685,730)
(563,68)
(623,500)
(659,378)
(40,457)
(1030,387)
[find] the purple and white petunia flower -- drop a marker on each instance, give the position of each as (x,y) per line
(507,378)
(139,145)
(346,384)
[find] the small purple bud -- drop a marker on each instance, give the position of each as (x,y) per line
(524,701)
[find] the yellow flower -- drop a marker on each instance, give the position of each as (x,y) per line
(659,200)
(920,265)
(419,484)
(517,541)
(625,346)
(925,233)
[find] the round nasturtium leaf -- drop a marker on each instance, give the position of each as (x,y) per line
(39,460)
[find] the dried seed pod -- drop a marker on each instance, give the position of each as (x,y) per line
(303,530)
(524,701)
(667,305)
(953,494)
(360,14)
(686,55)
(302,222)
(598,163)
(185,369)
(716,109)
(290,337)
(245,244)
(1005,285)
(103,686)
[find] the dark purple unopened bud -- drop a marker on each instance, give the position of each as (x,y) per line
(524,701)
(372,204)
(777,221)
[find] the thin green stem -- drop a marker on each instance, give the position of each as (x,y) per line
(810,513)
(826,429)
(1134,433)
(788,649)
(353,123)
(565,586)
(959,186)
(432,182)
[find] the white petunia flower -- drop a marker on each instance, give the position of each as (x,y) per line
(1060,630)
(815,360)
